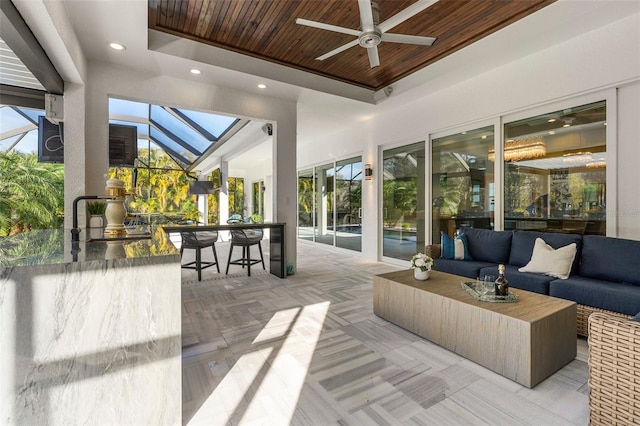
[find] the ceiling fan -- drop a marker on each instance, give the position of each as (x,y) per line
(372,32)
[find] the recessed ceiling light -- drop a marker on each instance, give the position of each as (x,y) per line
(551,120)
(117,46)
(566,125)
(195,71)
(262,86)
(484,136)
(552,132)
(604,124)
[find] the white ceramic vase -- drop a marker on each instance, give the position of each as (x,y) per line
(96,221)
(420,275)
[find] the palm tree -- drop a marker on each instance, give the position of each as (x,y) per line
(31,193)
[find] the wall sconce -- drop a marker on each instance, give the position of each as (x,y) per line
(368,172)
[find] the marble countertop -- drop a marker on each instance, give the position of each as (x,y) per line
(53,246)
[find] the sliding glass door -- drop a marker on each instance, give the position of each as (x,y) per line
(403,199)
(306,212)
(330,204)
(324,184)
(348,193)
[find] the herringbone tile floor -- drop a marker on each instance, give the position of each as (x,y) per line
(308,350)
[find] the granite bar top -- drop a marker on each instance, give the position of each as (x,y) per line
(53,246)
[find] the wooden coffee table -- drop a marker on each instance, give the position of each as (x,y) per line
(526,341)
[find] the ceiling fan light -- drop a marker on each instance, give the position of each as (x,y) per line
(370,39)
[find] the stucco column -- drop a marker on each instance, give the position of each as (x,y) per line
(75,172)
(285,190)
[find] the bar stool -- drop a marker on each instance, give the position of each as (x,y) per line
(198,240)
(245,238)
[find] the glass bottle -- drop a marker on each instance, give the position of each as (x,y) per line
(501,285)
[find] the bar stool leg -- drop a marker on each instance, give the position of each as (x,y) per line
(249,260)
(261,256)
(215,256)
(229,259)
(198,263)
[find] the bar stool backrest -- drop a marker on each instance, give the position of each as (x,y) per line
(198,239)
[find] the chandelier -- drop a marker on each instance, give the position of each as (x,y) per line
(522,149)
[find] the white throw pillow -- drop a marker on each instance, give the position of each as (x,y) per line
(549,261)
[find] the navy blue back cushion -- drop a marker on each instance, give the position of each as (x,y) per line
(523,241)
(610,259)
(486,245)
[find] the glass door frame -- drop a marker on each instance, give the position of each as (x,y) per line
(314,172)
(380,191)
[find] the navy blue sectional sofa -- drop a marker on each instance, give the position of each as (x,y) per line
(605,275)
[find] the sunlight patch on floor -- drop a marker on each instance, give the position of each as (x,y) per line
(266,384)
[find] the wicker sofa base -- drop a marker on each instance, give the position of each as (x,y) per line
(614,371)
(582,318)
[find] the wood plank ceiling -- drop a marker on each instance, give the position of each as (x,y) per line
(266,29)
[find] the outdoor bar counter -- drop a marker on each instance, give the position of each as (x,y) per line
(93,336)
(277,249)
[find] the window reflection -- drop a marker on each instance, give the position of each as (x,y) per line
(403,201)
(462,181)
(563,190)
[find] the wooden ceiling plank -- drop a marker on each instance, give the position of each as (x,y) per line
(195,14)
(152,16)
(245,32)
(204,18)
(239,15)
(287,42)
(171,4)
(182,14)
(267,23)
(290,36)
(266,29)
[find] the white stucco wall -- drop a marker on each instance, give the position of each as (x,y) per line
(592,65)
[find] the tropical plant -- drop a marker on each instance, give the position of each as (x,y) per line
(31,193)
(257,218)
(96,207)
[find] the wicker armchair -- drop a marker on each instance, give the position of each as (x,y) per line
(614,370)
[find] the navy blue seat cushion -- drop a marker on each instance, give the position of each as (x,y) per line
(611,296)
(610,259)
(522,244)
(537,283)
(636,317)
(464,268)
(486,245)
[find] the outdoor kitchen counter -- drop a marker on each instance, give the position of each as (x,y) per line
(84,333)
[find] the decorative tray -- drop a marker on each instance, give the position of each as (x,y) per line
(472,288)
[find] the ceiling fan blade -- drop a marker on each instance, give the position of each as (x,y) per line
(407,13)
(408,39)
(366,15)
(338,50)
(374,60)
(328,27)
